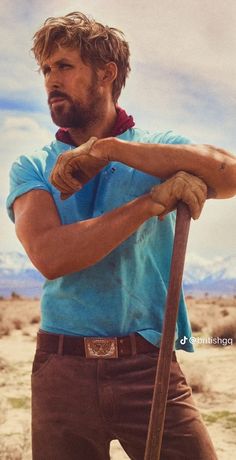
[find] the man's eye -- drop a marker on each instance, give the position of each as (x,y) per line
(45,70)
(65,66)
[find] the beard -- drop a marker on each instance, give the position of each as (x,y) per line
(74,114)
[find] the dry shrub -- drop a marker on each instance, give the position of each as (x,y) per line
(197,376)
(5,328)
(35,319)
(17,323)
(225,328)
(197,319)
(227,302)
(197,325)
(3,364)
(15,296)
(198,382)
(18,314)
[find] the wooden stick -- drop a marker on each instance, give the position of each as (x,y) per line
(161,385)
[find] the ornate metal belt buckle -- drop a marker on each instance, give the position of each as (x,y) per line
(101,347)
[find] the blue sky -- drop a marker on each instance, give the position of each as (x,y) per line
(183,78)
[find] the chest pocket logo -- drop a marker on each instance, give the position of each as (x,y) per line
(114,187)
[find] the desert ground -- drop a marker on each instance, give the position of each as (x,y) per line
(210,371)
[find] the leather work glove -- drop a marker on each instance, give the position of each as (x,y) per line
(182,186)
(75,168)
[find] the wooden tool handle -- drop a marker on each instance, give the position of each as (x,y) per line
(157,416)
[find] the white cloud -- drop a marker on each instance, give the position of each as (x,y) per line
(19,134)
(195,36)
(213,234)
(9,241)
(25,129)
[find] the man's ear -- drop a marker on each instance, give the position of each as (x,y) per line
(108,73)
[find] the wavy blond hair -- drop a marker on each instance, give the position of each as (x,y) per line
(97,44)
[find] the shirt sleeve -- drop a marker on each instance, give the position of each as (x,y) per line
(26,174)
(169,137)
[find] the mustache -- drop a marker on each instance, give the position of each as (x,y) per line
(57,93)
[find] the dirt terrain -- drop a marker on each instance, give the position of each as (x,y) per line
(210,371)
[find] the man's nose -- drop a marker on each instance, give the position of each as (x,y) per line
(52,81)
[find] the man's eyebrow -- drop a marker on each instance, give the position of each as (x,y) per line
(60,61)
(63,60)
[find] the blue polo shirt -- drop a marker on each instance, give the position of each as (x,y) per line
(126,291)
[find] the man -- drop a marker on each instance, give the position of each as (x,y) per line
(85,210)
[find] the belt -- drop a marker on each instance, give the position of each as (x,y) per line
(95,347)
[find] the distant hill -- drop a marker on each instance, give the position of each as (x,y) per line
(217,276)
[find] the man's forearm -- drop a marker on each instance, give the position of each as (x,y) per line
(215,166)
(74,247)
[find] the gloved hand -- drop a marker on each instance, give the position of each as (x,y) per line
(182,186)
(75,168)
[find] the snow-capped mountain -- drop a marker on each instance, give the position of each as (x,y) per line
(216,276)
(17,274)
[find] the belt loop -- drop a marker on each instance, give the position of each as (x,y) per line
(60,344)
(133,344)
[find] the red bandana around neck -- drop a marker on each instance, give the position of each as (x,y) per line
(123,122)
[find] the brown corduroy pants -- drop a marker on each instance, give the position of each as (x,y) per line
(79,405)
